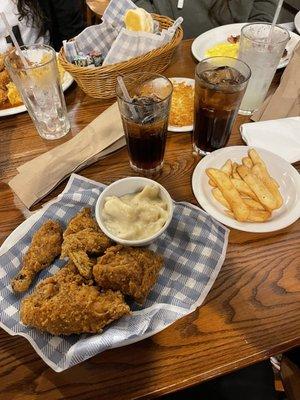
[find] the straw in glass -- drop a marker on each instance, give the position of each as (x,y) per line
(127,96)
(276,15)
(13,38)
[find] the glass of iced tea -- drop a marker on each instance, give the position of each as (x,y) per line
(220,86)
(145,119)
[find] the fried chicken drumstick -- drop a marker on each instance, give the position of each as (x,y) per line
(132,270)
(83,238)
(64,304)
(44,248)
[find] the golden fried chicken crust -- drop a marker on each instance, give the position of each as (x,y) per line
(3,96)
(44,248)
(132,270)
(81,221)
(4,79)
(65,304)
(82,239)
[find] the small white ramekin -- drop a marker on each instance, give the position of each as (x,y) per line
(125,186)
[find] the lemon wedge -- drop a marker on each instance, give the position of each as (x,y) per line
(138,20)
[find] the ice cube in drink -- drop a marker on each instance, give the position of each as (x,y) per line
(218,93)
(145,120)
(263,57)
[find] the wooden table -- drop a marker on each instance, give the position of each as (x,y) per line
(251,312)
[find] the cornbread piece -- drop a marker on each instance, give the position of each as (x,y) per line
(44,248)
(182,105)
(132,270)
(83,238)
(65,304)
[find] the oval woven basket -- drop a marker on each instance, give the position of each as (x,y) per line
(100,82)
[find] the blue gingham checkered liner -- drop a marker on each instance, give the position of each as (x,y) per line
(193,247)
(113,41)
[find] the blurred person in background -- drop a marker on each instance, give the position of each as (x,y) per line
(202,15)
(41,21)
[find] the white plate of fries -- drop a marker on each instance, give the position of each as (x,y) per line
(248,189)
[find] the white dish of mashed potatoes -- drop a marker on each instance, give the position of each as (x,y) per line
(134,211)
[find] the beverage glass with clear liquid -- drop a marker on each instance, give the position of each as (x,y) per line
(263,56)
(40,89)
(145,119)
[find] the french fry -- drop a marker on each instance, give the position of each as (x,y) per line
(239,208)
(212,183)
(243,188)
(216,192)
(234,171)
(263,194)
(261,171)
(229,213)
(253,204)
(247,162)
(275,182)
(258,215)
(227,167)
(255,158)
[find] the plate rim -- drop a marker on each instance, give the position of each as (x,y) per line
(282,63)
(186,128)
(296,21)
(255,227)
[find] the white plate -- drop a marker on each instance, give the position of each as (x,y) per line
(220,34)
(297,21)
(186,128)
(286,175)
(67,82)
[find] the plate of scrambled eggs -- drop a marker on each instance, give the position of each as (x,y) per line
(224,41)
(10,99)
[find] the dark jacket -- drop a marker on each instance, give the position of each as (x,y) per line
(201,15)
(64,19)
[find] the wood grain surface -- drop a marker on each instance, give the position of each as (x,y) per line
(252,311)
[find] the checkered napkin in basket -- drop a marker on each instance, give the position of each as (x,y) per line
(113,41)
(193,247)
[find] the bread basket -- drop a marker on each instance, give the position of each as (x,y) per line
(100,82)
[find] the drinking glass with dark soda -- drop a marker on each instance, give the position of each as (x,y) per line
(145,119)
(219,88)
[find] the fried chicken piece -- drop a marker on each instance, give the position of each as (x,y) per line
(83,238)
(3,96)
(81,221)
(64,304)
(44,248)
(2,66)
(132,270)
(4,79)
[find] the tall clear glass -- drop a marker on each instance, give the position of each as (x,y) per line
(220,85)
(263,57)
(40,89)
(145,119)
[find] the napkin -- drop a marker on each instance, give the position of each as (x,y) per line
(285,102)
(113,41)
(193,248)
(280,136)
(39,176)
